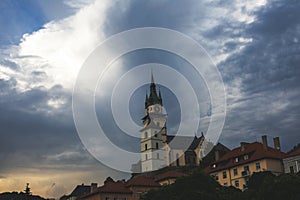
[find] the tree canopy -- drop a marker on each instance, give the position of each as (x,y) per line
(262,186)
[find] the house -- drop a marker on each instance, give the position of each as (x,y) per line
(140,185)
(291,162)
(133,188)
(80,190)
(236,166)
(123,190)
(169,177)
(110,191)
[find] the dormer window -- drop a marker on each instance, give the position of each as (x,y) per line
(214,166)
(236,160)
(246,157)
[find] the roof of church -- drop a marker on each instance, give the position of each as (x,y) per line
(182,141)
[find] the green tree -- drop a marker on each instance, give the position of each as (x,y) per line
(27,189)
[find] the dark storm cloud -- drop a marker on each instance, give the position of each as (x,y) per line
(265,72)
(33,132)
(263,67)
(269,71)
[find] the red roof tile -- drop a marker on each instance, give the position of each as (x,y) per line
(293,153)
(142,181)
(114,187)
(255,151)
(169,174)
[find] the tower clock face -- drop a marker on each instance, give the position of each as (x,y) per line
(156,109)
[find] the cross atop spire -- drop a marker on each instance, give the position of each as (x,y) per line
(152,79)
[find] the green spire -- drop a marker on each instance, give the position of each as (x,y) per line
(153,98)
(146,99)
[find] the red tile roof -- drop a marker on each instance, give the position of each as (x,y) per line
(169,175)
(111,187)
(143,181)
(255,151)
(114,187)
(293,153)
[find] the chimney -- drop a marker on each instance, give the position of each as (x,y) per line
(276,143)
(217,155)
(265,141)
(243,145)
(94,187)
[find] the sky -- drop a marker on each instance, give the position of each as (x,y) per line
(255,45)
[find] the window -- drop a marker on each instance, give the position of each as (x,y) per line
(156,145)
(236,183)
(236,159)
(235,172)
(146,134)
(246,168)
(146,156)
(257,166)
(177,159)
(157,155)
(217,177)
(246,157)
(214,166)
(292,170)
(225,184)
(224,174)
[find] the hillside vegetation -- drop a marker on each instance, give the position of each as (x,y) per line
(198,186)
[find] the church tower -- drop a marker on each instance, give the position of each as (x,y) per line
(153,134)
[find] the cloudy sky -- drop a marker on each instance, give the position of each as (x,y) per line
(255,45)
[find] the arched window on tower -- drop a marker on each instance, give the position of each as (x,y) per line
(146,134)
(146,147)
